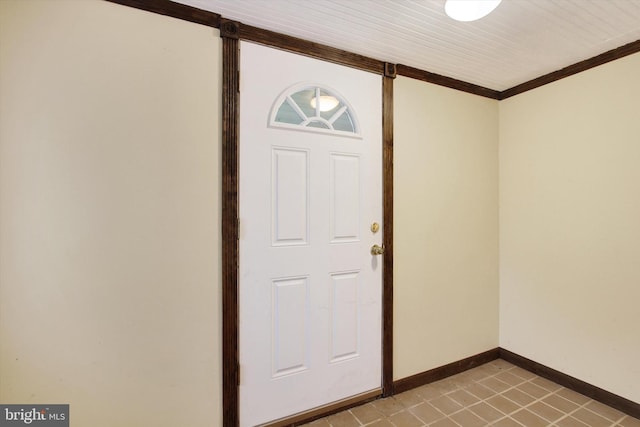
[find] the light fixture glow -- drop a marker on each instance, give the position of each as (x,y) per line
(327,103)
(469,10)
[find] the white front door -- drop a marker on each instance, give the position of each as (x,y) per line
(310,290)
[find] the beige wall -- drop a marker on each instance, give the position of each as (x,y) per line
(570,226)
(109,213)
(445,226)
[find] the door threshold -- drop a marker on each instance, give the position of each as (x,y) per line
(325,410)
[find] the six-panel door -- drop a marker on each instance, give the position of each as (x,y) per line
(310,188)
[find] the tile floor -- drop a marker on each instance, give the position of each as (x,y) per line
(497,394)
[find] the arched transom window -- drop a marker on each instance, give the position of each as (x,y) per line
(314,108)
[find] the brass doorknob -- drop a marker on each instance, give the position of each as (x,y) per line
(377,250)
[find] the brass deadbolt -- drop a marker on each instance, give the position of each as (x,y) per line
(377,250)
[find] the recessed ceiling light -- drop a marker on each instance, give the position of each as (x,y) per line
(469,10)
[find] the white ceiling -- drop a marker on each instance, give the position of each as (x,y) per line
(519,41)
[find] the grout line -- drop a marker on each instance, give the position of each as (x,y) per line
(448,386)
(570,413)
(600,415)
(519,405)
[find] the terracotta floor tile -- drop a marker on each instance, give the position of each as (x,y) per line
(463,397)
(604,410)
(503,404)
(445,405)
(529,419)
(545,411)
(545,383)
(322,422)
(428,392)
(366,413)
(467,418)
(463,378)
(445,386)
(495,384)
(479,373)
(405,419)
(381,423)
(507,422)
(426,412)
(522,373)
(486,411)
(388,406)
(533,390)
(629,421)
(343,419)
(570,422)
(490,369)
(509,378)
(560,403)
(573,396)
(519,397)
(479,390)
(409,398)
(502,364)
(445,422)
(591,418)
(495,394)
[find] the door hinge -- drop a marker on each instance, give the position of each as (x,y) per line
(238,373)
(238,230)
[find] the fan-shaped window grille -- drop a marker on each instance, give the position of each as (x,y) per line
(314,108)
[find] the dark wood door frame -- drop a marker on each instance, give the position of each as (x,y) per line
(230,226)
(232,32)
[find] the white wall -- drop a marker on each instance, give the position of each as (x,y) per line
(445,226)
(109,213)
(570,226)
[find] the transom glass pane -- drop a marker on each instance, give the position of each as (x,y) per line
(319,125)
(303,100)
(286,114)
(344,123)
